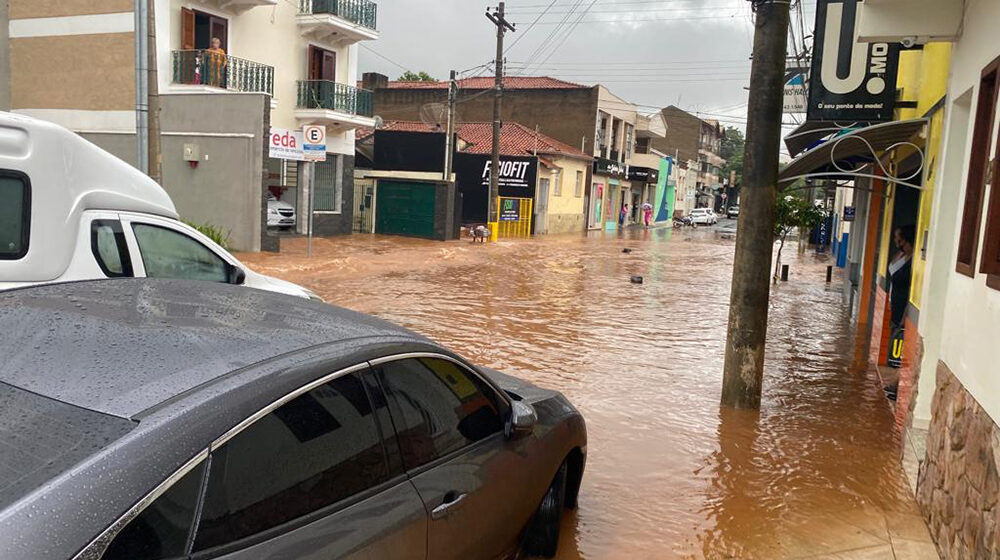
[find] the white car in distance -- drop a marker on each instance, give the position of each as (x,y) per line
(703,217)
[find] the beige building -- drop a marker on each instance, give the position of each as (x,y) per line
(286,63)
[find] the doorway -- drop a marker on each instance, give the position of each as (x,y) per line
(322,64)
(199,28)
(541,206)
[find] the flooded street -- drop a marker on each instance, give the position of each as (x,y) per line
(668,475)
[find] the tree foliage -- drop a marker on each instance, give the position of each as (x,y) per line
(794,212)
(416,77)
(731,150)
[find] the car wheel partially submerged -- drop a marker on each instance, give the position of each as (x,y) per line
(542,538)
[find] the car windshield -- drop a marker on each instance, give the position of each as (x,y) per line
(43,437)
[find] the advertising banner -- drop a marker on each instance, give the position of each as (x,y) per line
(517,179)
(850,81)
(796,92)
(285,144)
(849,212)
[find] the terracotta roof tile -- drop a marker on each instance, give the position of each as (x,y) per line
(515,138)
(486,82)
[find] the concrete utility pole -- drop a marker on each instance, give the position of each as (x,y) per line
(497,17)
(152,90)
(449,149)
(744,366)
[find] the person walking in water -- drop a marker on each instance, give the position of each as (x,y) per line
(647,215)
(623,214)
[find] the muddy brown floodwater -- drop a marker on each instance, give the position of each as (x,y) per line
(668,474)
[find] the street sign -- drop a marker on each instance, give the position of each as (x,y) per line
(849,213)
(314,142)
(285,144)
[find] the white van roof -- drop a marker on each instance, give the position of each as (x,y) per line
(67,175)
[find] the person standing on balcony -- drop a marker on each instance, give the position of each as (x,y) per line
(215,64)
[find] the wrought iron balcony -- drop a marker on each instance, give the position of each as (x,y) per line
(334,96)
(361,12)
(207,68)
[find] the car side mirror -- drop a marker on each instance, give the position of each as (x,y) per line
(236,275)
(522,420)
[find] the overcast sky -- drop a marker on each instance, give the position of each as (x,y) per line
(690,53)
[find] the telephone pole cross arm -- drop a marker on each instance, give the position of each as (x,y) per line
(502,25)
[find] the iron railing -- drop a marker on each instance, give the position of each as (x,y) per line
(361,12)
(324,94)
(204,67)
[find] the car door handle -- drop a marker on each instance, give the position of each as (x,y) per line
(444,509)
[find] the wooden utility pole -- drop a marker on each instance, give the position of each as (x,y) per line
(449,148)
(497,17)
(152,90)
(744,365)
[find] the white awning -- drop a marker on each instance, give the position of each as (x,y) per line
(904,21)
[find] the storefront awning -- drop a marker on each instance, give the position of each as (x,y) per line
(810,133)
(843,157)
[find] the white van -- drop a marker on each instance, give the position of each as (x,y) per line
(71,211)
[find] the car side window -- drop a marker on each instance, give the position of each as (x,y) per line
(15,214)
(162,529)
(437,407)
(312,452)
(170,254)
(107,243)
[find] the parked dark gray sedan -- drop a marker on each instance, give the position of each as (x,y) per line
(145,419)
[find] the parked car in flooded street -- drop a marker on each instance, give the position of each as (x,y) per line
(169,419)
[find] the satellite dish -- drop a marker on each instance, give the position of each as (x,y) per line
(379,123)
(434,115)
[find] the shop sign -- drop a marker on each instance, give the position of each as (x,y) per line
(643,174)
(796,90)
(849,213)
(610,167)
(285,144)
(510,210)
(314,142)
(514,172)
(850,81)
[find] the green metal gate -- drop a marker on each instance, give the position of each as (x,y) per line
(405,208)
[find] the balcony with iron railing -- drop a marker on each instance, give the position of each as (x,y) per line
(339,20)
(333,103)
(224,72)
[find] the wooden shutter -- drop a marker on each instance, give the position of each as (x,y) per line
(329,66)
(187,29)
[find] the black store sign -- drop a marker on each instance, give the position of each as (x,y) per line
(643,174)
(850,81)
(609,167)
(517,178)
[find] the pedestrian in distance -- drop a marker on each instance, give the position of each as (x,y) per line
(215,60)
(647,215)
(622,215)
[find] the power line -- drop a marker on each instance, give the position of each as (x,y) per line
(519,37)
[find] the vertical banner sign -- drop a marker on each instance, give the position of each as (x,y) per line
(314,142)
(850,81)
(796,90)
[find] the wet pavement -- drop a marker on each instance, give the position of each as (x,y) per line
(814,474)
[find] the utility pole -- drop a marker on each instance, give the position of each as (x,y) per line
(449,149)
(152,90)
(497,17)
(744,365)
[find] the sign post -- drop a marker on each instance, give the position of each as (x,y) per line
(313,150)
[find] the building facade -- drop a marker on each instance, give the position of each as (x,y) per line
(603,125)
(282,64)
(690,138)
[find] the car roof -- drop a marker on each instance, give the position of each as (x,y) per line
(123,346)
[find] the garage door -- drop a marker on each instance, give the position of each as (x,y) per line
(405,208)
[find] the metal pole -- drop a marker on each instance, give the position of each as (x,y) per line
(497,17)
(449,149)
(744,363)
(312,191)
(141,83)
(153,100)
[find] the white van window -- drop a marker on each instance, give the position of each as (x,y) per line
(15,214)
(107,242)
(170,254)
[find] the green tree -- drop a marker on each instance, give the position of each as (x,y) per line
(416,77)
(794,212)
(732,151)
